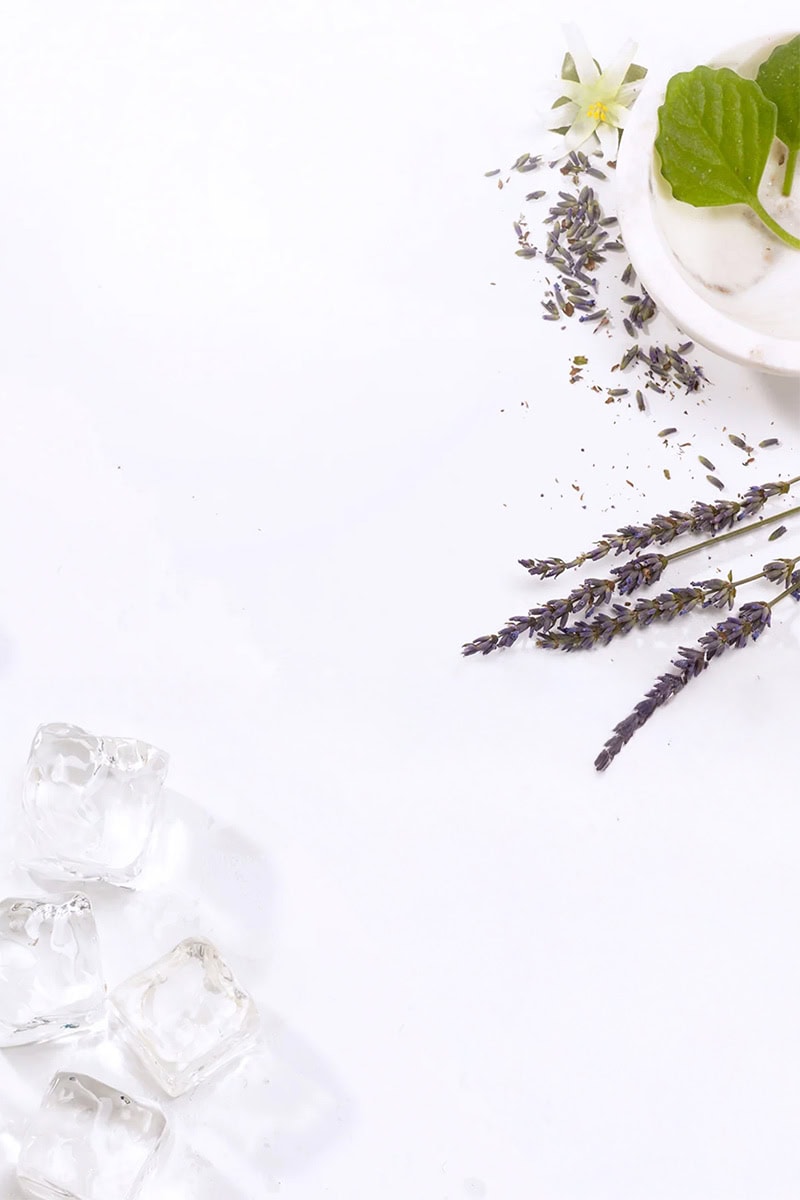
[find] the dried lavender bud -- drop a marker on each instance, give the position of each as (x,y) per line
(527,162)
(639,572)
(706,462)
(776,533)
(666,432)
(769,442)
(748,625)
(717,483)
(739,443)
(719,593)
(780,570)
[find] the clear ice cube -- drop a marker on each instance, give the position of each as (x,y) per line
(89,1141)
(51,977)
(92,803)
(185,1016)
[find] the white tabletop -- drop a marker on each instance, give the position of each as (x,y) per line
(280,415)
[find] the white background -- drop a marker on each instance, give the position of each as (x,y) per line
(272,444)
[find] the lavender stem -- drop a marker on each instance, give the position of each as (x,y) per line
(723,537)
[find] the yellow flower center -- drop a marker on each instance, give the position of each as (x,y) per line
(597,111)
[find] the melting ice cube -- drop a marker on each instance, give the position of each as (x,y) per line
(89,1141)
(92,803)
(185,1016)
(51,977)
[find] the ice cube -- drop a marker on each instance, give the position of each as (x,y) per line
(185,1016)
(51,977)
(92,803)
(89,1141)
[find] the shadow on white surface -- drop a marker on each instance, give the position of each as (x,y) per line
(187,1176)
(781,393)
(274,1114)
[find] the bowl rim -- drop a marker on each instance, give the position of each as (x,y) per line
(648,250)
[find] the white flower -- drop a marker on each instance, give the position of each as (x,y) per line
(597,104)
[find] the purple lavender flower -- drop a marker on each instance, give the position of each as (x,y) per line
(588,597)
(719,593)
(639,572)
(780,571)
(746,626)
(663,529)
(583,635)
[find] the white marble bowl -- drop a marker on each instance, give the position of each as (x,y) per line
(722,277)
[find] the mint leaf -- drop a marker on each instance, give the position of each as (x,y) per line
(715,131)
(779,79)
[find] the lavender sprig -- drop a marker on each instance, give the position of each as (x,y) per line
(663,529)
(737,631)
(591,594)
(549,621)
(587,598)
(583,635)
(706,593)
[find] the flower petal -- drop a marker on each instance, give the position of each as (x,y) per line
(617,115)
(609,140)
(569,88)
(584,63)
(629,91)
(581,129)
(616,72)
(565,114)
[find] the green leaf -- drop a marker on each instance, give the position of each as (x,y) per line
(569,70)
(634,72)
(779,79)
(715,130)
